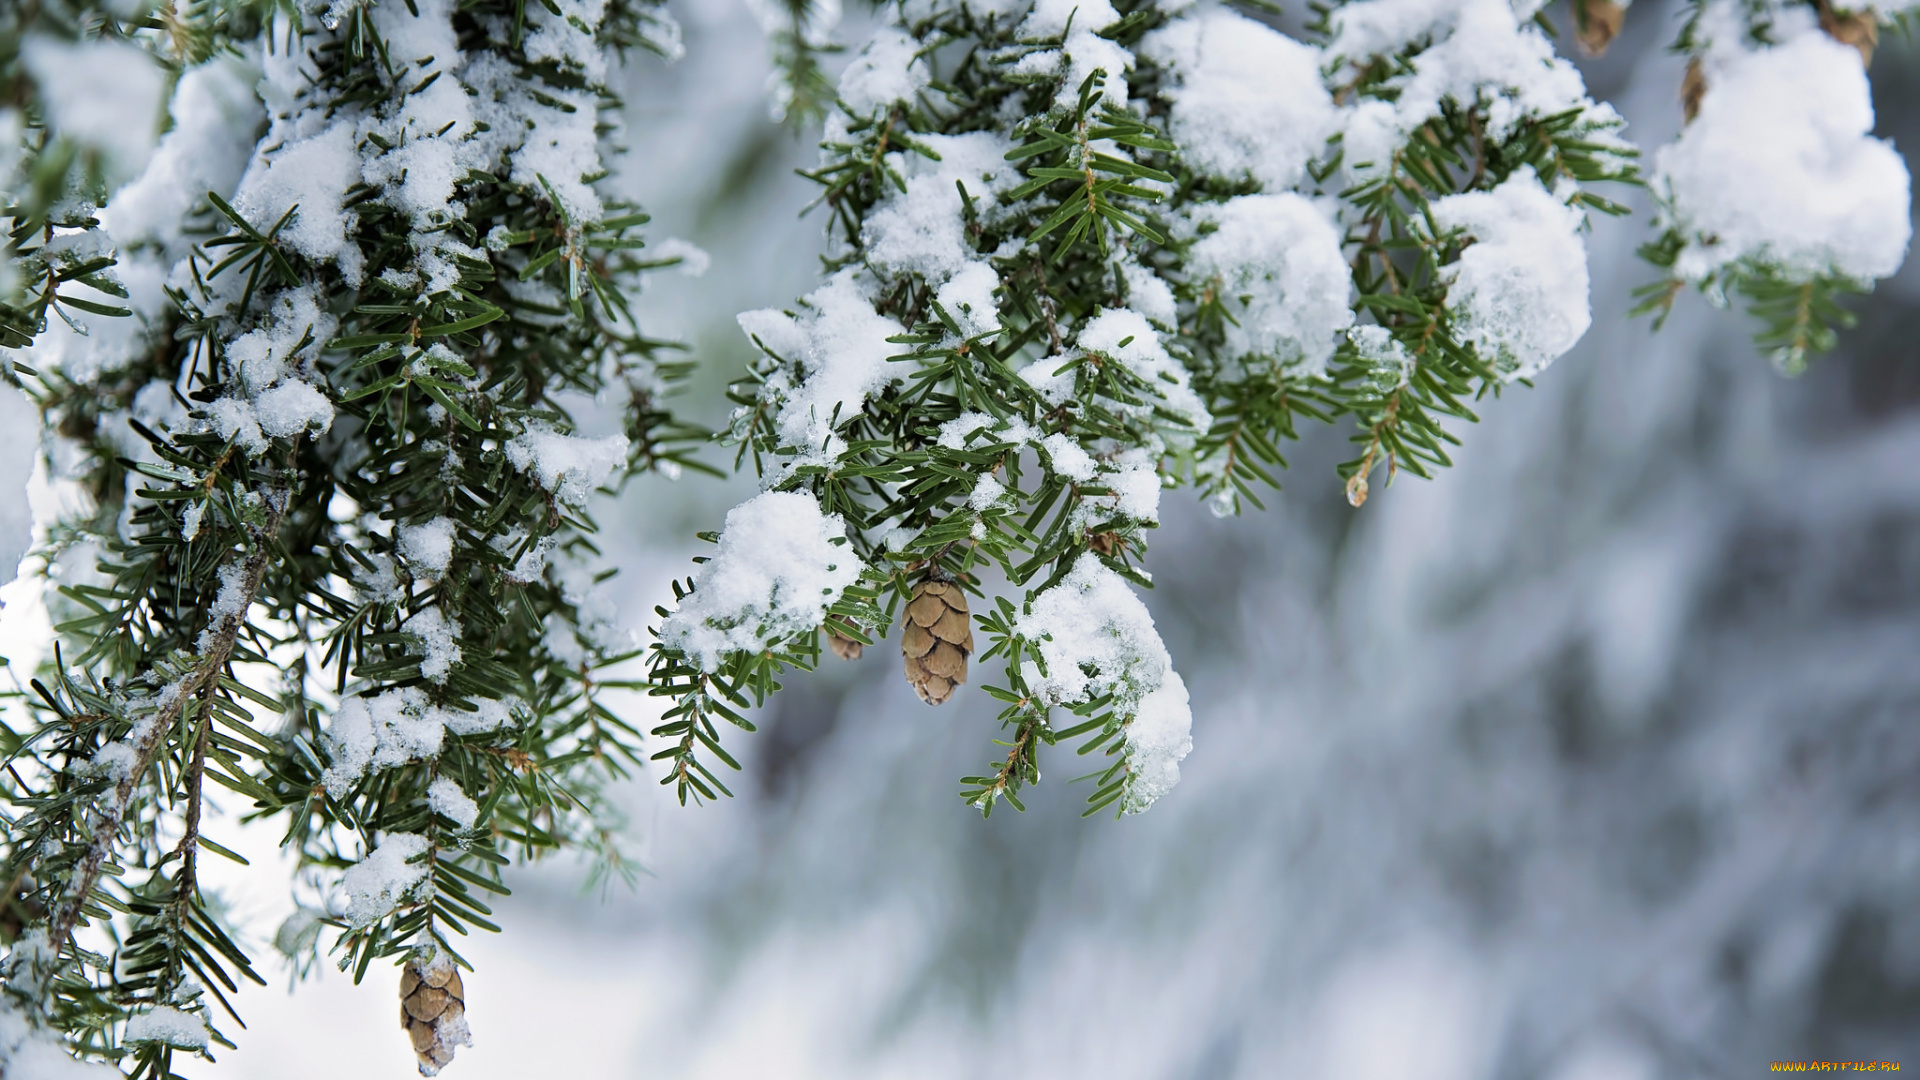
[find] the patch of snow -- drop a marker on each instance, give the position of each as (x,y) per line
(445,798)
(1779,168)
(1247,99)
(1278,270)
(1518,294)
(775,573)
(377,884)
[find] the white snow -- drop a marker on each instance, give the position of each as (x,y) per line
(534,139)
(886,71)
(395,727)
(377,884)
(230,602)
(1124,335)
(168,1025)
(921,230)
(104,94)
(312,174)
(1518,294)
(1483,52)
(1134,479)
(428,547)
(774,574)
(380,585)
(445,798)
(1277,266)
(530,564)
(438,638)
(1150,295)
(835,354)
(1081,52)
(1247,100)
(215,114)
(1097,638)
(1388,363)
(954,433)
(986,492)
(19,450)
(1779,167)
(570,466)
(429,131)
(1068,458)
(31,1052)
(968,299)
(1158,739)
(292,408)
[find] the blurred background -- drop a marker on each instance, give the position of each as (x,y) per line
(1595,759)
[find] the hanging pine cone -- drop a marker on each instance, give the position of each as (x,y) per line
(936,638)
(1860,29)
(1693,87)
(843,646)
(433,1009)
(1599,23)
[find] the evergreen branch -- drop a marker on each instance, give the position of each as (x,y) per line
(224,632)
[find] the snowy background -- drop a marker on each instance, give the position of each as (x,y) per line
(1594,760)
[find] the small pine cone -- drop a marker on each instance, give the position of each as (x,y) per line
(936,638)
(843,646)
(433,1010)
(1860,29)
(1692,88)
(1600,22)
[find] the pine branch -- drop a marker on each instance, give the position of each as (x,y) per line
(224,631)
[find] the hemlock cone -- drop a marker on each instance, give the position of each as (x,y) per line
(936,637)
(433,1010)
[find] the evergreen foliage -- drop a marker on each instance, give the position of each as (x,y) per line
(1027,418)
(1833,217)
(307,367)
(354,493)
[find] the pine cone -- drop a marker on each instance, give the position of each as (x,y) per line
(936,638)
(1860,29)
(1600,22)
(433,1010)
(843,646)
(1692,88)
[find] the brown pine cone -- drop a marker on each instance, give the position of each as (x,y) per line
(1600,22)
(936,638)
(1860,29)
(433,1010)
(843,646)
(1692,89)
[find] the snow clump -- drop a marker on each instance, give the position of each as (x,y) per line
(169,1026)
(1779,167)
(886,71)
(1518,293)
(1276,263)
(1247,99)
(393,728)
(377,884)
(1097,638)
(445,798)
(777,571)
(829,358)
(570,466)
